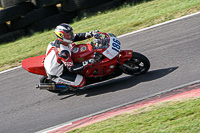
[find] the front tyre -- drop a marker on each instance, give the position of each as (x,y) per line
(138,64)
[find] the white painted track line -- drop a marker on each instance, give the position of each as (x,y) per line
(10,69)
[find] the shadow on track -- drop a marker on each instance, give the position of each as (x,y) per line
(121,83)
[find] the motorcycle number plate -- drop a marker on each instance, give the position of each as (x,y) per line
(113,49)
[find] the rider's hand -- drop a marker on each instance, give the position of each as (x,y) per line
(88,34)
(95,32)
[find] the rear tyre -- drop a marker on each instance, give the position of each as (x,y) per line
(9,3)
(4,28)
(139,64)
(46,3)
(74,5)
(51,22)
(15,11)
(44,79)
(33,16)
(12,36)
(101,7)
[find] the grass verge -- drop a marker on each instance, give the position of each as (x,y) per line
(181,116)
(122,20)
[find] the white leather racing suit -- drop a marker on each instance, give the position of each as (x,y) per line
(59,65)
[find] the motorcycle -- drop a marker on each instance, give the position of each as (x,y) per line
(110,62)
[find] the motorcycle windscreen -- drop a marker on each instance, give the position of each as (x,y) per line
(35,65)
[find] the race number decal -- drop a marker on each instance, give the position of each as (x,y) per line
(113,49)
(116,45)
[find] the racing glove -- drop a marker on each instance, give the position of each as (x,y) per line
(90,34)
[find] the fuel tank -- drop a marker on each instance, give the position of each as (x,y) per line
(82,52)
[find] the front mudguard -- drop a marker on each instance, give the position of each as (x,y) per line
(124,55)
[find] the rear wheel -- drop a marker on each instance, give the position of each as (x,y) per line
(138,64)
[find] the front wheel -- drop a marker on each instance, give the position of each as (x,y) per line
(138,64)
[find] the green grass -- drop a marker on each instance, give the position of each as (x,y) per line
(122,20)
(168,117)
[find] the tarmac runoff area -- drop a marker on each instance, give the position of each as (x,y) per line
(191,90)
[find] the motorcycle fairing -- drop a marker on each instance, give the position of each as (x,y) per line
(102,68)
(35,65)
(113,48)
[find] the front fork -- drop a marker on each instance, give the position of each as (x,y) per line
(124,55)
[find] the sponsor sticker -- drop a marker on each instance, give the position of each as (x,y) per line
(75,50)
(107,52)
(83,49)
(69,64)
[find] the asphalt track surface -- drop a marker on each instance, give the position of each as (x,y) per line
(173,50)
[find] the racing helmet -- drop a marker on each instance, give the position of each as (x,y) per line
(64,33)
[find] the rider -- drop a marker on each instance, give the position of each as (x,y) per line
(58,63)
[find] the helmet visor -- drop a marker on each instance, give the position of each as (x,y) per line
(69,36)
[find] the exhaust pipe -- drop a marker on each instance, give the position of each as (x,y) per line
(51,86)
(43,86)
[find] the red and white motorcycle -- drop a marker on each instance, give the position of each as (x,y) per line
(110,62)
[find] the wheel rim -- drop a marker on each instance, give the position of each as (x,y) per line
(137,66)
